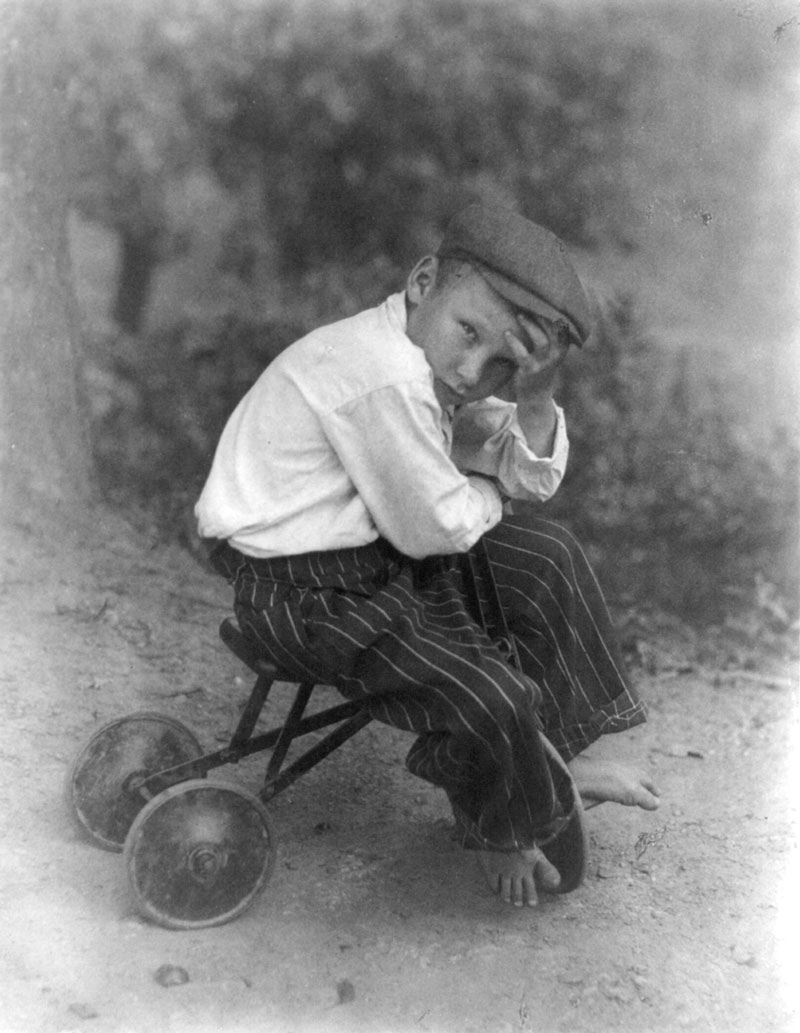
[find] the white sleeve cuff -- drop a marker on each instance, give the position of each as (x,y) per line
(560,449)
(490,498)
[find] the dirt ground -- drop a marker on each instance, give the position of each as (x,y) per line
(374,920)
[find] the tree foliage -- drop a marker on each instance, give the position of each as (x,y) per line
(351,131)
(342,135)
(370,123)
(678,499)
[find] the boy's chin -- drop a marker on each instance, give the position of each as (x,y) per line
(506,393)
(446,396)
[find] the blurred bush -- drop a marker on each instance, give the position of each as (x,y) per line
(301,154)
(158,407)
(681,504)
(677,506)
(348,133)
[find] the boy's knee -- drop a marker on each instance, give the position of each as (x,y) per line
(513,703)
(549,530)
(544,542)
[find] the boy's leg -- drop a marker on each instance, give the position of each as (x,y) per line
(405,639)
(566,642)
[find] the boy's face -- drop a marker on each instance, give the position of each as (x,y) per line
(461,326)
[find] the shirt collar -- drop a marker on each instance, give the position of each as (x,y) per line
(396,311)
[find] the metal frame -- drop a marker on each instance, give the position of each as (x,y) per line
(349,717)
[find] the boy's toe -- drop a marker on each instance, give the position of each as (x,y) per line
(531,897)
(547,875)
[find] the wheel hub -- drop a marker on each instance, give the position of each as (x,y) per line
(206,862)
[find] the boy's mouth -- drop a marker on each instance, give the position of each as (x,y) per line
(446,394)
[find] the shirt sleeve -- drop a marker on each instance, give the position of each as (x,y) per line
(393,445)
(488,439)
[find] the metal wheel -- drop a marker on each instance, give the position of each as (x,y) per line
(99,788)
(199,854)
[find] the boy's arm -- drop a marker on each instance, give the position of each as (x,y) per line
(539,349)
(392,443)
(523,445)
(488,439)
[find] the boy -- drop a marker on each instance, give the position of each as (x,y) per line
(368,457)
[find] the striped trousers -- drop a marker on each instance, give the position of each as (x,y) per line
(401,632)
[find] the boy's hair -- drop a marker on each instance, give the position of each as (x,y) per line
(450,270)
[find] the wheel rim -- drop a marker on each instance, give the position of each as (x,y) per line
(199,854)
(101,785)
(568,852)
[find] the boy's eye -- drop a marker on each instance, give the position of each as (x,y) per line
(469,330)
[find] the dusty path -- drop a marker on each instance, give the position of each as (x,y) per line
(374,920)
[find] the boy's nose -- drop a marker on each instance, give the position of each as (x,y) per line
(470,370)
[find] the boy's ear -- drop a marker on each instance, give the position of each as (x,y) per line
(421,279)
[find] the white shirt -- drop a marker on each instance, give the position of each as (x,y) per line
(341,440)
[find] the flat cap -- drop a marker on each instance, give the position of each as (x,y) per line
(524,262)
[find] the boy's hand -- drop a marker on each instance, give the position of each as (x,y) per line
(538,360)
(531,387)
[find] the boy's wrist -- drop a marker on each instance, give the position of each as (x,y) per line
(537,403)
(493,501)
(539,423)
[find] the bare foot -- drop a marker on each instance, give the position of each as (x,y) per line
(600,780)
(514,876)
